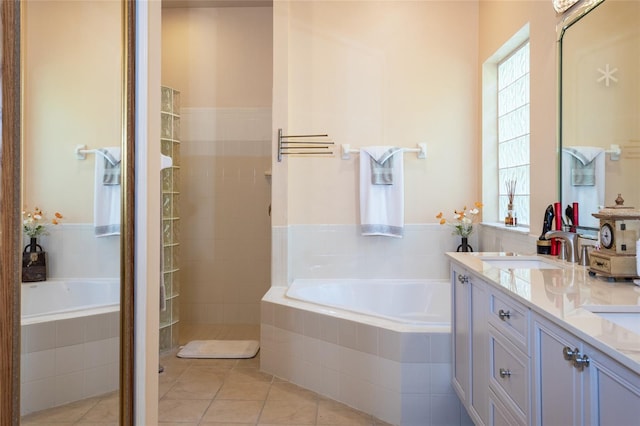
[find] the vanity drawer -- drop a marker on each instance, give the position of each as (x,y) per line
(511,319)
(602,264)
(622,266)
(499,415)
(509,374)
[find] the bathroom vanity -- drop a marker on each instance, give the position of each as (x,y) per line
(537,341)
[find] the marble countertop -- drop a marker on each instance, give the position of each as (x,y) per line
(568,296)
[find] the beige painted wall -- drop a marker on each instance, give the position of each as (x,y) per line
(72,95)
(377,73)
(499,21)
(351,74)
(193,43)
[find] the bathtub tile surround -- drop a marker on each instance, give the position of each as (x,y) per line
(400,376)
(73,251)
(68,360)
(340,251)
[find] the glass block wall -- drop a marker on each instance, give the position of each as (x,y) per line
(513,132)
(170,146)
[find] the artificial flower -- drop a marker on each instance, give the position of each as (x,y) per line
(463,220)
(34,222)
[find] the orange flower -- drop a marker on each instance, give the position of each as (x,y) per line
(34,222)
(462,219)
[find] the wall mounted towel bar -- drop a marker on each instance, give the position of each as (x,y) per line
(614,151)
(304,146)
(421,150)
(81,152)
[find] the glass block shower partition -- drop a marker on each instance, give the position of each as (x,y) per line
(170,146)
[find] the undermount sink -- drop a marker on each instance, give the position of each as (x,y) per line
(517,262)
(625,316)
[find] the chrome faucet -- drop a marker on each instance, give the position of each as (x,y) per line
(571,243)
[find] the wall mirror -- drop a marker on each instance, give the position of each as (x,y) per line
(600,106)
(73,72)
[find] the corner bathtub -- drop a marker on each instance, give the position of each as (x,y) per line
(380,346)
(70,341)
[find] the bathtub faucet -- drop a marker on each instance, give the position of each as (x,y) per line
(571,243)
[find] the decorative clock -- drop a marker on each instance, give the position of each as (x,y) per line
(619,230)
(606,235)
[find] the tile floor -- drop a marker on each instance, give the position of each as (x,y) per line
(216,392)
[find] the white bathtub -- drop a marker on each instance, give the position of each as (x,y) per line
(420,302)
(55,300)
(70,341)
(381,346)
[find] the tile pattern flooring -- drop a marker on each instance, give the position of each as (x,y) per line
(216,392)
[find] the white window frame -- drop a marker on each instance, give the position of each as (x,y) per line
(491,187)
(521,170)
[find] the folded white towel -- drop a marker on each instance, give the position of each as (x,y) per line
(382,165)
(106,198)
(585,187)
(583,166)
(381,206)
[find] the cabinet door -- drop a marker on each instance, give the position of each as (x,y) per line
(480,351)
(557,383)
(469,329)
(612,392)
(461,333)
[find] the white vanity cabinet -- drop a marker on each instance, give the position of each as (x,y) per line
(557,383)
(612,391)
(578,384)
(509,368)
(515,364)
(469,338)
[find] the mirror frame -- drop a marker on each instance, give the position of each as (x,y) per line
(574,15)
(127,240)
(10,217)
(10,229)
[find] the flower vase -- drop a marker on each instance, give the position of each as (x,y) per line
(33,246)
(34,266)
(464,247)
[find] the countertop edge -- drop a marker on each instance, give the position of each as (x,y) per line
(469,262)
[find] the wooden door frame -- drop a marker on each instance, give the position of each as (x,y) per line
(10,214)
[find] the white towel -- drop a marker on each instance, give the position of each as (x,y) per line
(165,162)
(589,197)
(381,206)
(106,198)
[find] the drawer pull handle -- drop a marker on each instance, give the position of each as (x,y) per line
(580,361)
(504,315)
(463,279)
(569,354)
(504,372)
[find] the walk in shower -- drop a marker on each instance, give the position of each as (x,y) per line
(220,58)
